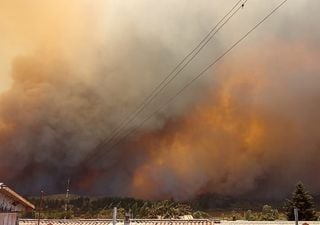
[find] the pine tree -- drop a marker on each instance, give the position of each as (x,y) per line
(303,201)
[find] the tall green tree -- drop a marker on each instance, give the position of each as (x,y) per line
(303,201)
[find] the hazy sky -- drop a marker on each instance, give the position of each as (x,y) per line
(26,27)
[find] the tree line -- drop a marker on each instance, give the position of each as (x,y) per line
(85,207)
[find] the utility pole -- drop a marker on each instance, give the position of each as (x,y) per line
(114,216)
(66,206)
(296,216)
(40,207)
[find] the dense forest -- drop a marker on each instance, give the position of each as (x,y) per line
(202,206)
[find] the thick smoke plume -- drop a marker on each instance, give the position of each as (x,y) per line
(257,132)
(72,70)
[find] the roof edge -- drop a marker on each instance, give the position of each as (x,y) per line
(9,192)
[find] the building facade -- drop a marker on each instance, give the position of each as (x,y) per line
(11,203)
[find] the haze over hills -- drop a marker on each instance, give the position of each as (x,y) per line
(205,202)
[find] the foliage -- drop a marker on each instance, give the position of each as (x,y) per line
(201,215)
(224,207)
(250,216)
(303,201)
(83,207)
(269,214)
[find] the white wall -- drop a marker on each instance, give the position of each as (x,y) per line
(6,202)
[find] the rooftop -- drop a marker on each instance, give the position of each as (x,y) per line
(15,196)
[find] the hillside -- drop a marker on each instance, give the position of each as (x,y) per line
(202,206)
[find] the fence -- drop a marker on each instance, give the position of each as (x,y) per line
(155,222)
(8,218)
(109,222)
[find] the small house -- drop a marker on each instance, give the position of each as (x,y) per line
(11,203)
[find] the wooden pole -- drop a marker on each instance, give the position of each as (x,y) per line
(66,206)
(40,207)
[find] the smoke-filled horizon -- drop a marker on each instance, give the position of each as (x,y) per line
(71,71)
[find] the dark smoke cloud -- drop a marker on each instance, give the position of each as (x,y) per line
(77,68)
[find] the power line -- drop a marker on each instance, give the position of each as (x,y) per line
(200,74)
(129,118)
(172,75)
(170,79)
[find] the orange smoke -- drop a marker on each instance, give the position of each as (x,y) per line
(72,70)
(226,144)
(202,139)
